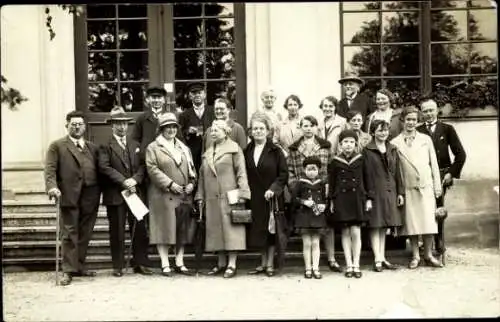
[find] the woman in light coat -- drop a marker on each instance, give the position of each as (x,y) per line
(332,124)
(420,172)
(172,177)
(222,170)
(290,131)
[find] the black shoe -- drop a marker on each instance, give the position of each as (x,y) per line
(334,266)
(308,274)
(182,270)
(357,272)
(216,271)
(230,272)
(142,270)
(270,271)
(387,265)
(117,272)
(66,279)
(316,274)
(433,262)
(257,270)
(377,267)
(85,273)
(165,271)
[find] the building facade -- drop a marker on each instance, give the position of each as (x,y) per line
(109,54)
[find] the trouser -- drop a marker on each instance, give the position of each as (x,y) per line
(77,225)
(439,237)
(117,215)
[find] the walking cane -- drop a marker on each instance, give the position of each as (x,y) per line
(58,219)
(129,253)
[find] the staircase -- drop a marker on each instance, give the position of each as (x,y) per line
(29,237)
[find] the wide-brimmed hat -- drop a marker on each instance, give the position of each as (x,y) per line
(155,90)
(353,78)
(166,119)
(118,114)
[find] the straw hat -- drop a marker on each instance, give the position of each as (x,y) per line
(353,78)
(117,113)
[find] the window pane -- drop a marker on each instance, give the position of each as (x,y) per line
(448,25)
(101,35)
(466,93)
(219,32)
(181,95)
(363,60)
(482,3)
(388,5)
(401,60)
(400,26)
(189,64)
(361,27)
(102,66)
(188,33)
(484,58)
(372,86)
(483,24)
(449,59)
(132,11)
(101,11)
(367,5)
(219,9)
(187,10)
(133,34)
(134,66)
(220,64)
(132,96)
(406,91)
(102,97)
(448,4)
(225,89)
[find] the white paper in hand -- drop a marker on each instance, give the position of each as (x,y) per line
(233,196)
(135,204)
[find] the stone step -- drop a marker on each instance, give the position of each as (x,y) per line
(40,219)
(33,206)
(44,233)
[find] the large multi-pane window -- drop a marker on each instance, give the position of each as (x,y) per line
(121,49)
(204,49)
(419,46)
(117,51)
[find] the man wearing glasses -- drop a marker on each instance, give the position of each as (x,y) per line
(71,177)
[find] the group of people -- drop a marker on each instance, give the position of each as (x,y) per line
(361,165)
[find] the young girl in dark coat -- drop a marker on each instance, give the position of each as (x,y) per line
(309,204)
(348,198)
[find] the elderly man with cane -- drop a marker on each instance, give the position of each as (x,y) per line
(71,178)
(120,163)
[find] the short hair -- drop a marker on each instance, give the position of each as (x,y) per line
(261,117)
(386,92)
(408,110)
(75,113)
(426,98)
(295,98)
(330,98)
(352,113)
(221,124)
(225,101)
(268,90)
(310,118)
(376,123)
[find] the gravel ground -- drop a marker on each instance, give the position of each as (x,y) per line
(467,287)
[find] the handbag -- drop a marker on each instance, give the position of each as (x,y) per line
(240,215)
(441,213)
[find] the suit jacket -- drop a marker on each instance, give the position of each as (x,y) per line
(361,102)
(116,169)
(63,170)
(189,118)
(445,136)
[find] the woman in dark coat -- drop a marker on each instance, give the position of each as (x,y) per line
(267,176)
(384,187)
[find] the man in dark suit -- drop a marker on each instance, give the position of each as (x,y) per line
(71,176)
(195,120)
(120,163)
(445,138)
(354,100)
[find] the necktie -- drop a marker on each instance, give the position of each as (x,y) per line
(429,127)
(79,146)
(124,144)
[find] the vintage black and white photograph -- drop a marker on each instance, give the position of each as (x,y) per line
(250,160)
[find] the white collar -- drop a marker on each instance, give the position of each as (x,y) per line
(352,98)
(80,140)
(120,139)
(201,107)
